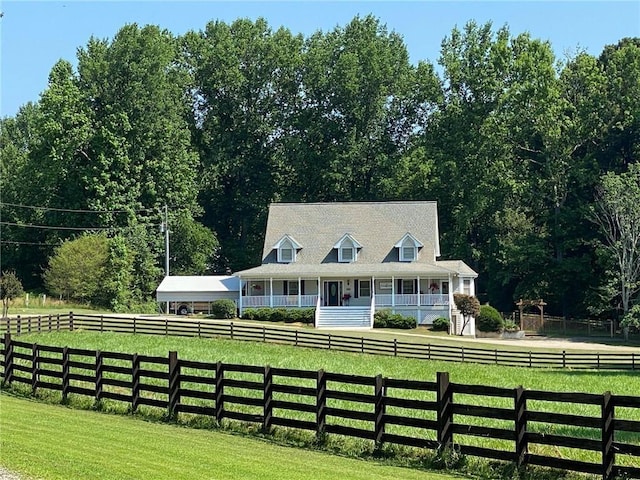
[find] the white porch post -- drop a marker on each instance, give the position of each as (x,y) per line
(393,291)
(299,294)
(271,292)
(239,297)
(450,294)
(319,294)
(418,292)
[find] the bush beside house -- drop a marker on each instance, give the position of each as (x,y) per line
(285,315)
(386,319)
(440,324)
(489,319)
(223,308)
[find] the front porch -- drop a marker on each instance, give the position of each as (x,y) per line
(345,292)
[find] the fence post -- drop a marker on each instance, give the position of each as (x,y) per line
(65,374)
(166,327)
(296,338)
(329,341)
(58,323)
(608,452)
(521,426)
(219,392)
(379,407)
(395,347)
(564,359)
(361,344)
(39,323)
(267,399)
(135,382)
(321,404)
(8,360)
(29,324)
(71,321)
(174,384)
(99,375)
(231,330)
(19,326)
(445,410)
(35,367)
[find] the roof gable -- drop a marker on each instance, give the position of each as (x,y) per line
(377,225)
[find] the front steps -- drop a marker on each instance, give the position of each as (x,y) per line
(344,317)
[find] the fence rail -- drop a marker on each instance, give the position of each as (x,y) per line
(423,414)
(314,339)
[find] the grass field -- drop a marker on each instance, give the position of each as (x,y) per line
(213,350)
(53,442)
(228,351)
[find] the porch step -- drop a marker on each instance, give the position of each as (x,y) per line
(344,317)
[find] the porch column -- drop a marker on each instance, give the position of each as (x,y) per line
(271,292)
(319,294)
(418,292)
(239,297)
(393,291)
(299,294)
(450,295)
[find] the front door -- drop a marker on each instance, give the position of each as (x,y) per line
(332,293)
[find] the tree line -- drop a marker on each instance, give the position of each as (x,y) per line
(512,143)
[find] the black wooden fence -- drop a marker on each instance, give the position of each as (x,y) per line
(489,422)
(315,339)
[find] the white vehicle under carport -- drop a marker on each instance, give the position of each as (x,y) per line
(182,294)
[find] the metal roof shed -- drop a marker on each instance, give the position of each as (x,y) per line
(196,293)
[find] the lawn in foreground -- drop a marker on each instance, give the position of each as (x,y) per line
(254,353)
(54,442)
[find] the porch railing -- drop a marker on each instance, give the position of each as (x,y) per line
(404,300)
(279,301)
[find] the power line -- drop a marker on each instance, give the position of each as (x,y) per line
(12,242)
(59,227)
(72,210)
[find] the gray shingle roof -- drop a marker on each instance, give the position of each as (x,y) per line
(378,226)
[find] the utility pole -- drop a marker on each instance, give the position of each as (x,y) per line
(166,241)
(164,227)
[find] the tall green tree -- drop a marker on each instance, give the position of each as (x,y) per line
(617,214)
(10,289)
(76,269)
(246,85)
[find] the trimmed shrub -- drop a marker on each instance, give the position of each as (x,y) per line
(386,319)
(285,315)
(223,308)
(440,324)
(489,319)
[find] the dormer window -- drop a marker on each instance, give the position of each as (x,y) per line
(408,248)
(287,249)
(347,248)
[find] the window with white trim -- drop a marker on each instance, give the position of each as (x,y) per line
(346,254)
(347,249)
(286,249)
(466,286)
(408,253)
(408,286)
(408,248)
(365,288)
(286,255)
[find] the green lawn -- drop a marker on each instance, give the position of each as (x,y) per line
(54,442)
(253,353)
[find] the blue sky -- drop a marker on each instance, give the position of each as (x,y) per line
(34,35)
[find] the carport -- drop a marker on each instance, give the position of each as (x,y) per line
(194,294)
